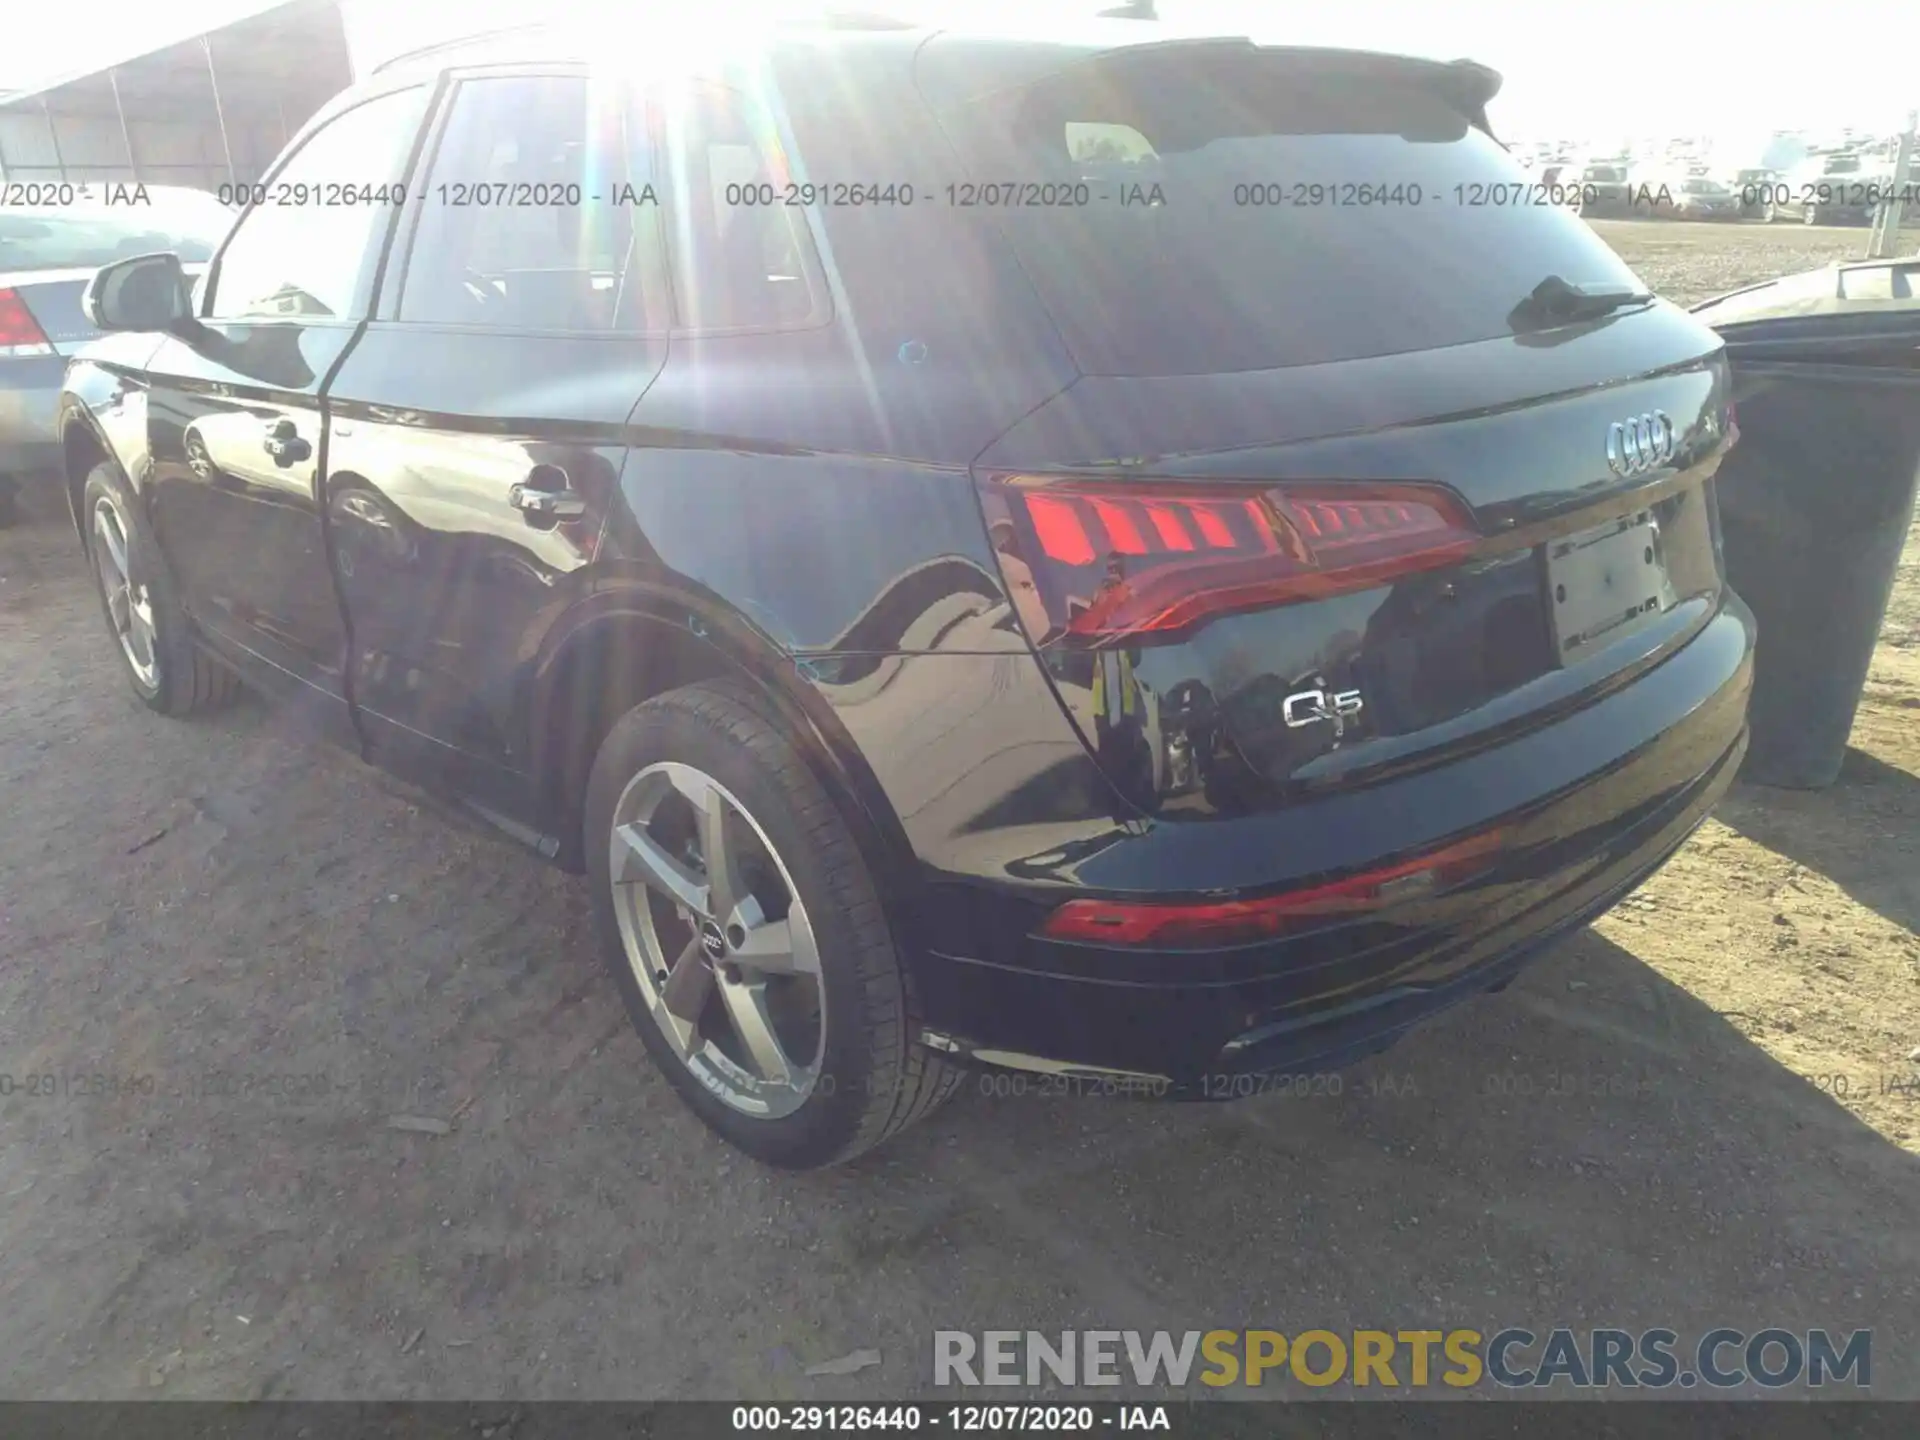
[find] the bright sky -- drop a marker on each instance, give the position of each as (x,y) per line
(1574,68)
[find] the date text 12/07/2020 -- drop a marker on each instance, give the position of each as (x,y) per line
(964,195)
(1076,194)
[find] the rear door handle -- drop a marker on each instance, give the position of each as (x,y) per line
(284,444)
(546,494)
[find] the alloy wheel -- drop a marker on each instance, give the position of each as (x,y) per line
(129,604)
(718,940)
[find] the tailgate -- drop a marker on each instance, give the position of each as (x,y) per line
(1237,607)
(1378,453)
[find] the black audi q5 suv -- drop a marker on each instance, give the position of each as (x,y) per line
(1093,553)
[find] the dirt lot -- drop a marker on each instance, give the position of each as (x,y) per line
(1691,263)
(1679,1118)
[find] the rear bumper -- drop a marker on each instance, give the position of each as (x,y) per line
(29,405)
(1322,999)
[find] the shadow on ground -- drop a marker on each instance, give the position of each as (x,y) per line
(1842,832)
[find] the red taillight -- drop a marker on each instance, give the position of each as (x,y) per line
(1111,559)
(20,333)
(1237,922)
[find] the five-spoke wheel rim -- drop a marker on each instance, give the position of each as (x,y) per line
(129,604)
(718,939)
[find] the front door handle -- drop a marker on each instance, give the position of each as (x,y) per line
(284,444)
(546,495)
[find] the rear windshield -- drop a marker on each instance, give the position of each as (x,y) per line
(1182,213)
(1600,173)
(59,239)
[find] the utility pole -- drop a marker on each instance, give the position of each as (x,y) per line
(1886,219)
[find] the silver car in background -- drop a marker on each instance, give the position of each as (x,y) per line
(48,253)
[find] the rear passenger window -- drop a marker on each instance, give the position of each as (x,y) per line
(536,214)
(742,256)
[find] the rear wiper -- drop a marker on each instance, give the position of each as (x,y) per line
(1555,301)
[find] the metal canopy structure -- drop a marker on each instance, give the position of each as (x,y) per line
(210,109)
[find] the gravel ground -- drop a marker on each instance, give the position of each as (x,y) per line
(1691,263)
(1677,1118)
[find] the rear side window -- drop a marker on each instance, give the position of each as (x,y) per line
(1242,210)
(742,255)
(534,214)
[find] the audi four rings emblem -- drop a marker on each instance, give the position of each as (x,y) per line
(1636,446)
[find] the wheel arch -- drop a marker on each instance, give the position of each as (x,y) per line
(617,650)
(101,398)
(82,447)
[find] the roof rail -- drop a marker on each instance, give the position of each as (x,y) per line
(456,42)
(860,20)
(829,20)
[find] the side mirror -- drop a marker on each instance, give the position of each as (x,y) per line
(146,292)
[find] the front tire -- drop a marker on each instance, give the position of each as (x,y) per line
(167,670)
(746,933)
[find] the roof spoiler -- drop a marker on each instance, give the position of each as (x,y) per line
(1471,85)
(1466,85)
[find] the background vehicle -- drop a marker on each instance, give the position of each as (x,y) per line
(1685,197)
(48,252)
(1826,189)
(1752,186)
(1556,169)
(818,603)
(1604,190)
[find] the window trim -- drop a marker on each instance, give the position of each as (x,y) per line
(373,257)
(824,310)
(645,232)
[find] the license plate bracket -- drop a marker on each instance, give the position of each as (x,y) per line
(1605,583)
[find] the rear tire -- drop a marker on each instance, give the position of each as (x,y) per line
(846,1069)
(152,634)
